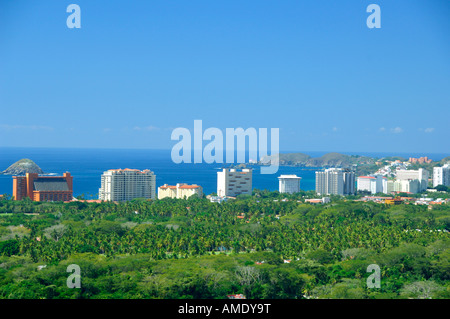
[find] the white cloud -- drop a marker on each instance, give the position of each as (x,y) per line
(396,130)
(429,130)
(382,129)
(335,129)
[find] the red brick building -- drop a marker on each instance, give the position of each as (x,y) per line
(43,188)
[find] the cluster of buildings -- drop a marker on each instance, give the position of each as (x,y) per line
(390,169)
(127,184)
(420,160)
(406,181)
(428,201)
(116,185)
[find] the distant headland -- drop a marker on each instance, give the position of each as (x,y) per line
(329,160)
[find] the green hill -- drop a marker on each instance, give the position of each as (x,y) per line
(327,160)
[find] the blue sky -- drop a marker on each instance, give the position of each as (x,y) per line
(138,69)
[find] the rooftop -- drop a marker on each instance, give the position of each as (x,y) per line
(50,185)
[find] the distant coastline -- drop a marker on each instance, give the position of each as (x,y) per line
(87,164)
(333,159)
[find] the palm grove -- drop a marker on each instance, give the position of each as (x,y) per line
(192,248)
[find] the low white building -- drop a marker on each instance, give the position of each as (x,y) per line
(373,184)
(217,199)
(179,191)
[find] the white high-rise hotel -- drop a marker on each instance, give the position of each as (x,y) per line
(232,182)
(441,175)
(289,184)
(127,184)
(335,181)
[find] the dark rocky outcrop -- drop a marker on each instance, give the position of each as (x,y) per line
(22,167)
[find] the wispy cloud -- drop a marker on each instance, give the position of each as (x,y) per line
(335,129)
(7,127)
(146,128)
(396,130)
(382,129)
(429,130)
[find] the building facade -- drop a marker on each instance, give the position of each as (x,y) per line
(441,175)
(127,184)
(404,186)
(335,181)
(233,182)
(289,184)
(421,175)
(43,188)
(349,182)
(420,160)
(373,184)
(179,191)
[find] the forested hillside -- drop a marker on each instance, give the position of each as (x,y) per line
(260,246)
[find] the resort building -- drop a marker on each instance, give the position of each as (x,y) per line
(420,160)
(421,175)
(179,191)
(232,182)
(289,184)
(441,175)
(373,184)
(43,188)
(336,181)
(127,184)
(403,186)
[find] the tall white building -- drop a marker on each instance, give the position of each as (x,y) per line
(232,182)
(335,181)
(373,184)
(441,175)
(421,175)
(289,184)
(127,184)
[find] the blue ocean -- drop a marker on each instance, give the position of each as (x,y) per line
(87,166)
